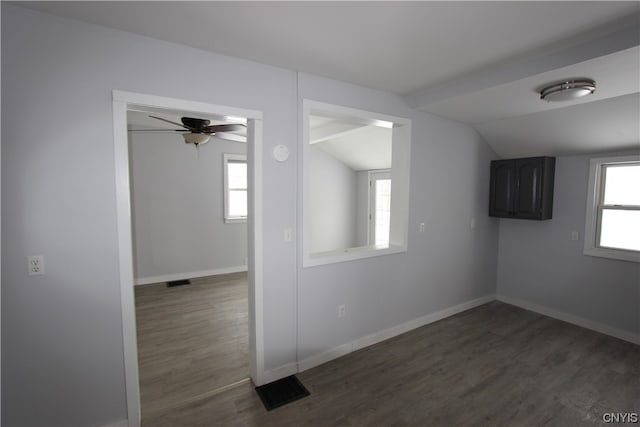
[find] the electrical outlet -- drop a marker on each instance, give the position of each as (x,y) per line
(342,310)
(35,264)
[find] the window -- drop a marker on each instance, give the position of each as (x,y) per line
(235,188)
(613,209)
(380,209)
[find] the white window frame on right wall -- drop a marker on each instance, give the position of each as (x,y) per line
(594,200)
(231,158)
(374,176)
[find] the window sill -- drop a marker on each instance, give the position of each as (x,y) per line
(618,254)
(234,220)
(351,254)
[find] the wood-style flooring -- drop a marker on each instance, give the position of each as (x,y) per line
(495,365)
(192,339)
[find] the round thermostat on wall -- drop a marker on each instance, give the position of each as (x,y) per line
(280,153)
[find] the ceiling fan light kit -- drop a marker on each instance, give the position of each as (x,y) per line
(196,138)
(568,90)
(199,131)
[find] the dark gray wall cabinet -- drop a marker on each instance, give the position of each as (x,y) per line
(522,188)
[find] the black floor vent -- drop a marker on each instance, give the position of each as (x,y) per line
(178,283)
(281,392)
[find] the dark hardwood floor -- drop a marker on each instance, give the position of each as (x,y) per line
(192,339)
(495,365)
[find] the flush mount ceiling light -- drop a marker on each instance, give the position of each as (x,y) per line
(568,90)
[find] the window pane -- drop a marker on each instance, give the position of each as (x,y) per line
(237,174)
(237,203)
(620,229)
(622,185)
(383,211)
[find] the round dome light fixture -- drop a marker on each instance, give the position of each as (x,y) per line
(568,90)
(196,138)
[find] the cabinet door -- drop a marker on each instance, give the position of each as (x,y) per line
(501,201)
(528,192)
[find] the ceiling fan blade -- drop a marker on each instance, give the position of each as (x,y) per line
(158,130)
(169,121)
(232,127)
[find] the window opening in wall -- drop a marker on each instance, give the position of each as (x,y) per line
(613,208)
(235,191)
(349,157)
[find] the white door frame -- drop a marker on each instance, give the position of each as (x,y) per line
(123,101)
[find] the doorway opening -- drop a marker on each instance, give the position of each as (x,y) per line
(248,270)
(189,218)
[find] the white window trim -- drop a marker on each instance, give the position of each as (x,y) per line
(593,197)
(373,176)
(226,158)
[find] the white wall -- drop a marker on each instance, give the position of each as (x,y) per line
(62,361)
(540,264)
(447,265)
(178,209)
(333,198)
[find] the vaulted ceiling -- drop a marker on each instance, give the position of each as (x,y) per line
(481,63)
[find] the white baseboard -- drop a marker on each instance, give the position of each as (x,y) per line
(325,356)
(123,423)
(357,344)
(278,373)
(570,318)
(189,275)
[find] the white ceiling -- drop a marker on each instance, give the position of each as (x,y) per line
(358,146)
(616,74)
(475,62)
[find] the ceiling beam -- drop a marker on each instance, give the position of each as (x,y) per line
(332,130)
(621,35)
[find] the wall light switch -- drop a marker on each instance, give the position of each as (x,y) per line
(575,235)
(342,310)
(422,227)
(288,234)
(473,223)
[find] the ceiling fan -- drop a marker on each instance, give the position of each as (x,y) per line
(199,131)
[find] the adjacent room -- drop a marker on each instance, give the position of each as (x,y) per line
(320,213)
(189,214)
